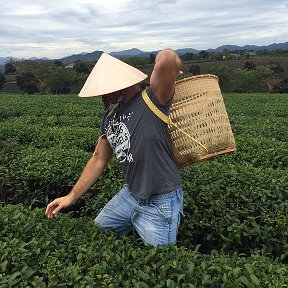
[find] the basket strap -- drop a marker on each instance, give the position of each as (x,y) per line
(165,118)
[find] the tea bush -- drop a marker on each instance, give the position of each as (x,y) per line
(54,106)
(39,173)
(68,252)
(234,233)
(259,151)
(44,137)
(236,208)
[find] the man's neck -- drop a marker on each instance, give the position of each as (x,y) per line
(130,93)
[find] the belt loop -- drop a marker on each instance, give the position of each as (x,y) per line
(143,201)
(149,200)
(178,192)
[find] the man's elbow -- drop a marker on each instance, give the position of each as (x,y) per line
(169,57)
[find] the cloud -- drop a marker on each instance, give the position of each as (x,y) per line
(57,28)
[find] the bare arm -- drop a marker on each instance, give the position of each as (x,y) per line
(91,173)
(166,69)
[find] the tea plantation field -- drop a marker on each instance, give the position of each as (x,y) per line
(235,230)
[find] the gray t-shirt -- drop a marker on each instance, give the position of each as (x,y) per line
(139,140)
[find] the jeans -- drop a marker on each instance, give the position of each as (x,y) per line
(156,219)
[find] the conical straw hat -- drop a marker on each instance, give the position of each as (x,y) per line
(110,75)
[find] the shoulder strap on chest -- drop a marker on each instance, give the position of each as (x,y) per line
(165,118)
(155,110)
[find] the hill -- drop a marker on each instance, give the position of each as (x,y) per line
(82,57)
(135,52)
(271,47)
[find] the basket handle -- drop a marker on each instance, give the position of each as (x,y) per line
(165,118)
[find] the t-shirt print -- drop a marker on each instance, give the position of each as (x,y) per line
(118,136)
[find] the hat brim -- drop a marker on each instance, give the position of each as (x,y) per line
(109,75)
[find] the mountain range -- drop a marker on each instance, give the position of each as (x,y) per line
(92,56)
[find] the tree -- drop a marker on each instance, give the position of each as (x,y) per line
(10,68)
(62,81)
(58,63)
(249,65)
(254,80)
(2,79)
(224,74)
(226,54)
(187,56)
(80,67)
(203,54)
(195,70)
(215,56)
(152,58)
(55,78)
(281,87)
(276,68)
(136,61)
(27,82)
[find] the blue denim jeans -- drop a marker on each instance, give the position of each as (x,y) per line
(156,219)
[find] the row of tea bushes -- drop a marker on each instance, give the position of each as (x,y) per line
(45,141)
(235,229)
(36,252)
(258,152)
(55,106)
(28,150)
(37,176)
(259,115)
(36,135)
(33,174)
(236,208)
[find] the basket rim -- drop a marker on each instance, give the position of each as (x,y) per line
(197,77)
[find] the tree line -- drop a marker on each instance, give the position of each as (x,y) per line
(53,77)
(49,77)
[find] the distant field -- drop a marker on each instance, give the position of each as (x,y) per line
(10,78)
(232,64)
(10,85)
(10,88)
(205,66)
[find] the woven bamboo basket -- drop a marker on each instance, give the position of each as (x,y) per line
(199,110)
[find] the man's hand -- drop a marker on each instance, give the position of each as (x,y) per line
(55,206)
(92,171)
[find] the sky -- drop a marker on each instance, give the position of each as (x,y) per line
(59,28)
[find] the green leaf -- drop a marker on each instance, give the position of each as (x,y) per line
(134,254)
(246,282)
(4,265)
(191,268)
(255,280)
(181,276)
(236,271)
(170,283)
(249,268)
(143,275)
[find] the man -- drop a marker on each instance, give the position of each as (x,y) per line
(151,201)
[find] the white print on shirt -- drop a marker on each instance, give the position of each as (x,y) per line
(120,118)
(119,138)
